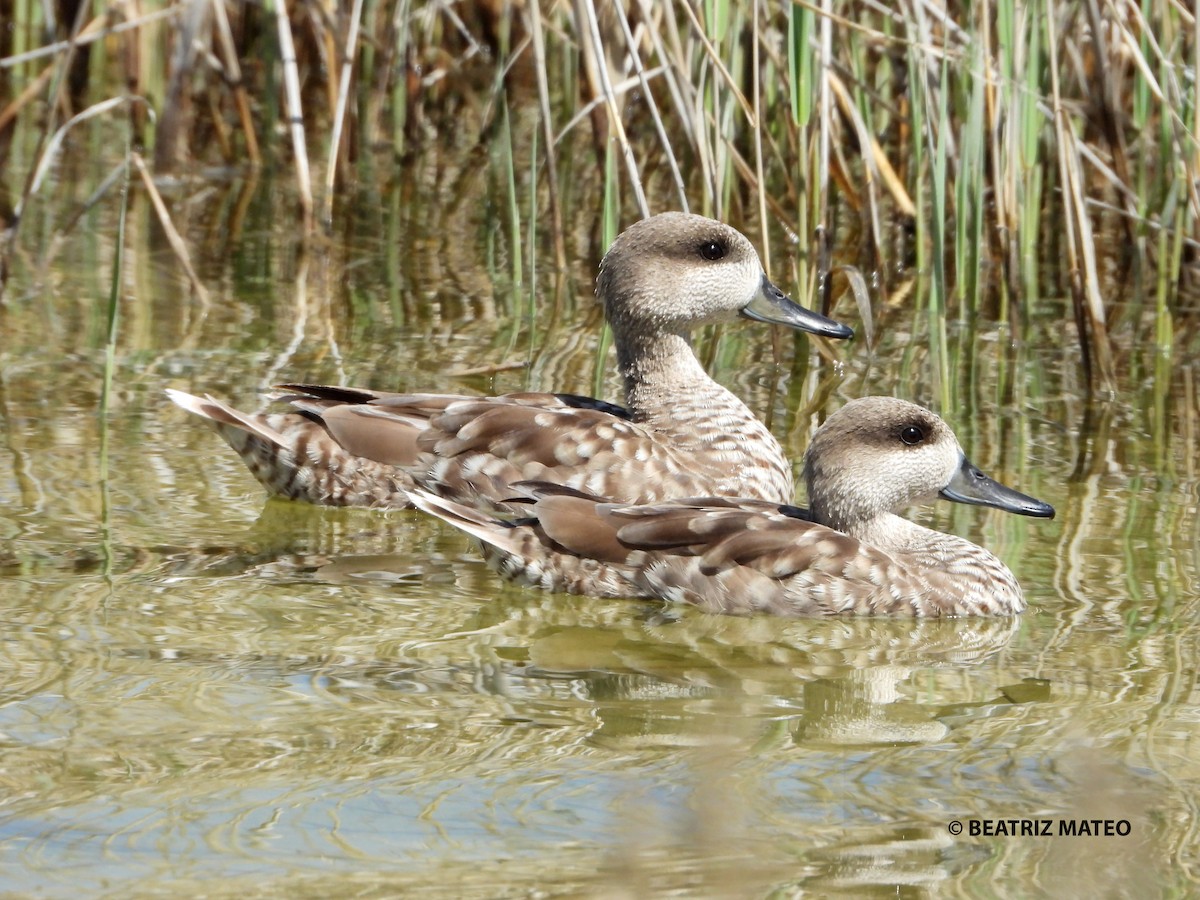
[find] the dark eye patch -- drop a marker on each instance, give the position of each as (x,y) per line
(713,250)
(912,434)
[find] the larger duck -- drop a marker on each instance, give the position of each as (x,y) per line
(680,434)
(849,552)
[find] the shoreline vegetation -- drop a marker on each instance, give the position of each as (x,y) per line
(986,146)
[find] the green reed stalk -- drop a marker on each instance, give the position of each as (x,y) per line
(757,98)
(861,69)
(938,295)
(800,62)
(610,224)
(531,238)
(547,121)
(820,186)
(1030,123)
(969,188)
(399,92)
(1139,112)
(937,288)
(723,25)
(1170,245)
(918,134)
(802,94)
(110,362)
(510,180)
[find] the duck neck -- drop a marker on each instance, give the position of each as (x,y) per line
(954,575)
(885,531)
(918,545)
(667,388)
(892,533)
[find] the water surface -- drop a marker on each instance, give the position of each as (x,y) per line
(205,692)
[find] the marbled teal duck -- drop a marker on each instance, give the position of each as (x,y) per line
(681,434)
(849,552)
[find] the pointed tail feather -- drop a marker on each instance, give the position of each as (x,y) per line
(495,532)
(222,414)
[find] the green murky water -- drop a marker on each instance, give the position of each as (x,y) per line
(204,693)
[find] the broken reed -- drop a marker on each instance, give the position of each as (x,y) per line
(1001,134)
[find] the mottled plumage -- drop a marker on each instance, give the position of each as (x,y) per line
(682,434)
(849,553)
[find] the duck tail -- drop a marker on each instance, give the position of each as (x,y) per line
(293,455)
(495,532)
(224,416)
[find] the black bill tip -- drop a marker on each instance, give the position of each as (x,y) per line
(970,485)
(773,306)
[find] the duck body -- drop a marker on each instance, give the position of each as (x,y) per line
(744,556)
(680,433)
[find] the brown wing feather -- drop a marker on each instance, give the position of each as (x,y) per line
(525,434)
(382,436)
(573,523)
(686,529)
(696,523)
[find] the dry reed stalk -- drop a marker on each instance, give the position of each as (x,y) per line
(760,193)
(9,113)
(648,96)
(1085,294)
(241,207)
(614,115)
(44,150)
(1108,107)
(233,75)
(176,105)
(55,141)
(648,15)
(591,60)
(335,141)
(222,133)
(173,237)
(94,31)
(543,89)
(322,18)
(711,51)
(295,114)
(867,148)
(876,162)
(620,88)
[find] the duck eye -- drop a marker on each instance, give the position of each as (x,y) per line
(911,434)
(712,250)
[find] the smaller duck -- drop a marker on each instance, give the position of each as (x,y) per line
(848,553)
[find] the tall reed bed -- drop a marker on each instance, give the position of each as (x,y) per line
(983,145)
